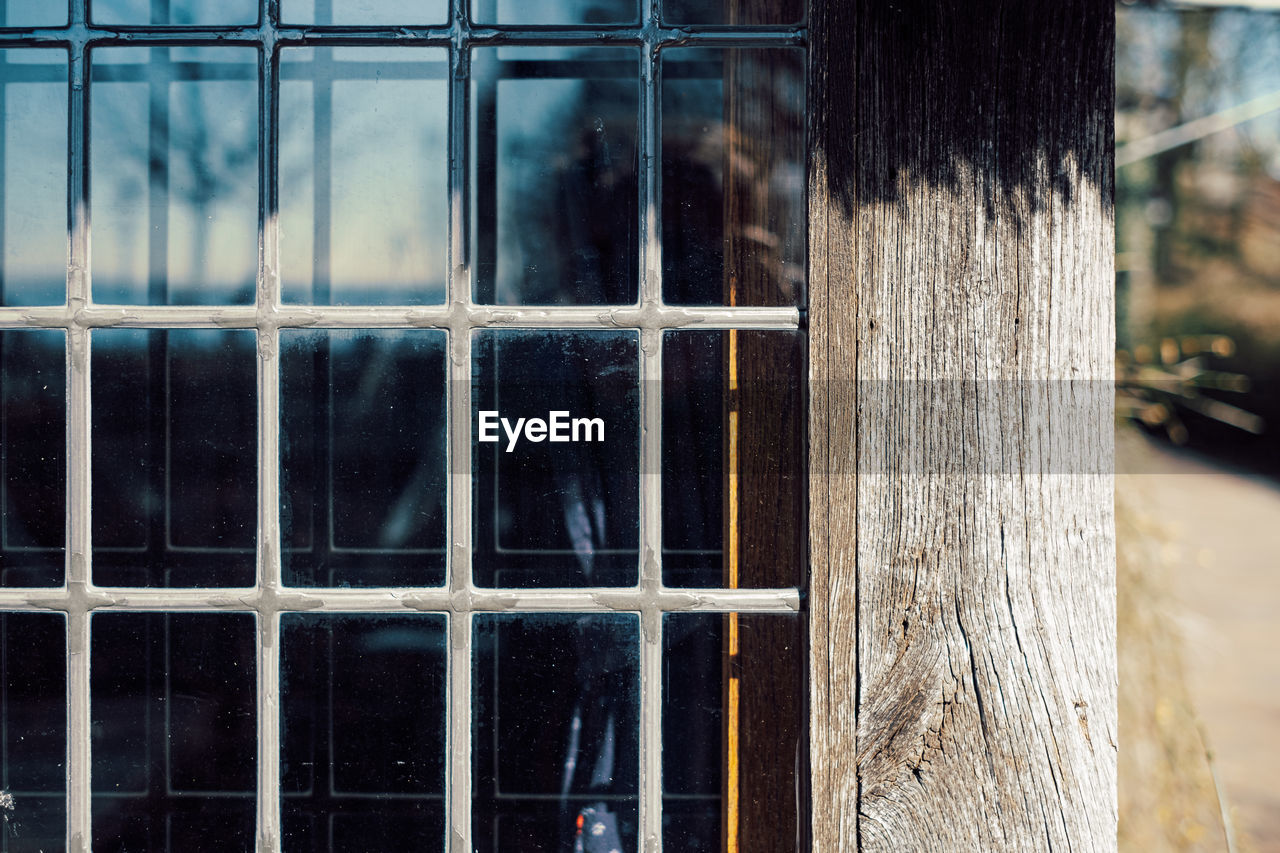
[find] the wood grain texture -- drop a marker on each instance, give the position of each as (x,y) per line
(963,676)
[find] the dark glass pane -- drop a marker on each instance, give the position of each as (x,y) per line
(733,688)
(175,174)
(738,13)
(174,731)
(363,457)
(556,12)
(558,504)
(556,731)
(390,829)
(208,825)
(174,457)
(34,13)
(364,12)
(734,489)
(363,746)
(733,176)
(33,439)
(555,175)
(173,12)
(363,175)
(33,176)
(33,702)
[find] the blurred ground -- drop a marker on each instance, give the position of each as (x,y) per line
(1200,653)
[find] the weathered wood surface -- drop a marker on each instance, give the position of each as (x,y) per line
(963,679)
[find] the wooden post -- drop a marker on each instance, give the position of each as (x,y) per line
(963,676)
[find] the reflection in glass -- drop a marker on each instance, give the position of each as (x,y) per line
(363,457)
(363,175)
(733,458)
(174,731)
(738,13)
(556,731)
(33,182)
(33,445)
(33,707)
(551,512)
(363,699)
(732,730)
(555,175)
(173,12)
(174,173)
(174,456)
(364,12)
(733,176)
(557,12)
(32,13)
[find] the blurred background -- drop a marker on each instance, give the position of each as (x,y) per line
(1198,449)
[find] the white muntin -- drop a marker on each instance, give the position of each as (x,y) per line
(458,315)
(559,426)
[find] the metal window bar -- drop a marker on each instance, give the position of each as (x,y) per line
(459,599)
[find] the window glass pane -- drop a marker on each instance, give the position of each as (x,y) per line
(552,205)
(33,440)
(34,13)
(732,729)
(174,166)
(556,732)
(364,12)
(174,451)
(364,731)
(733,458)
(739,13)
(33,703)
(733,176)
(33,176)
(554,176)
(555,457)
(363,457)
(174,731)
(363,175)
(561,12)
(174,12)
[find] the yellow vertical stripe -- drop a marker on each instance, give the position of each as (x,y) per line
(733,500)
(732,723)
(731,841)
(733,371)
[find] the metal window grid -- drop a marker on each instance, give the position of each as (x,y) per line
(459,598)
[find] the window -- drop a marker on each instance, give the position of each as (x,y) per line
(295,600)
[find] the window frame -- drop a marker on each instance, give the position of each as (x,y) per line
(78,598)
